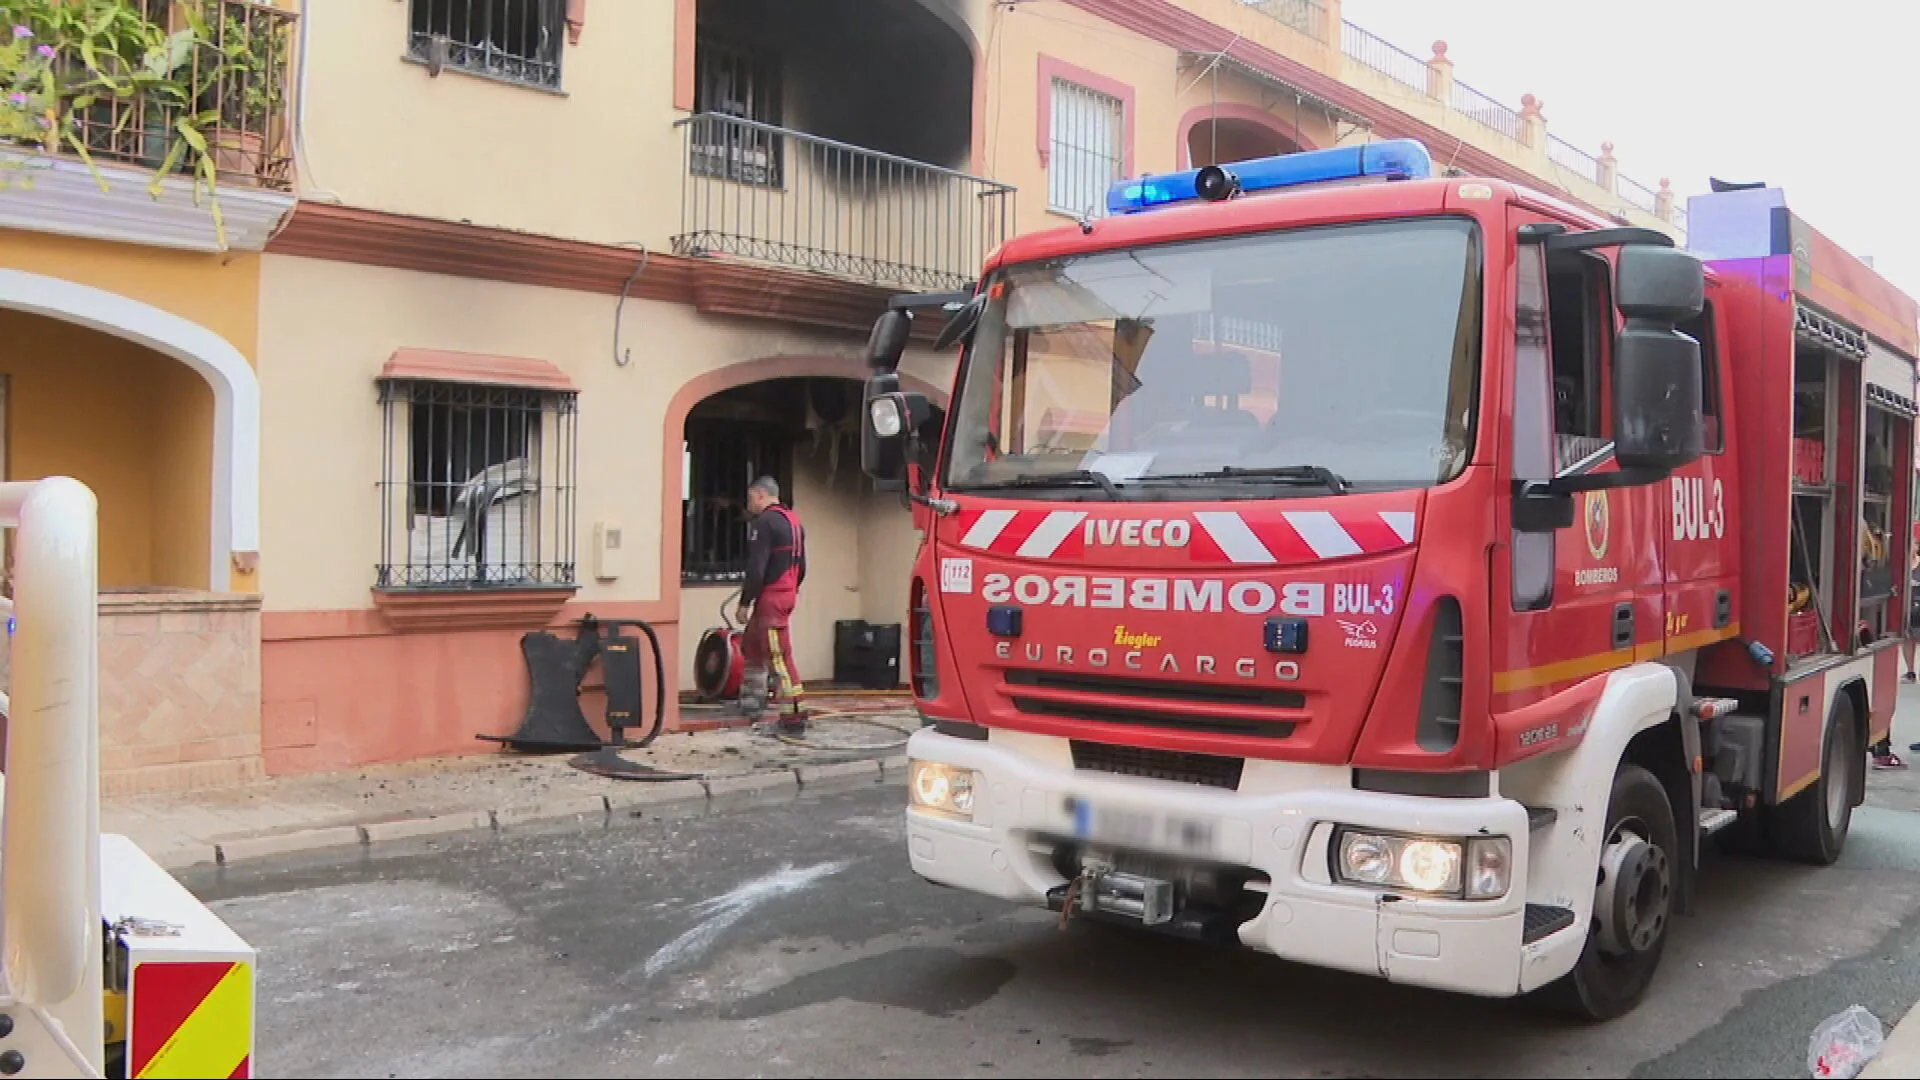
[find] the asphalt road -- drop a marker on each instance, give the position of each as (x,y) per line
(791,939)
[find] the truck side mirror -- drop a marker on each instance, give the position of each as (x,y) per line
(1656,369)
(888,426)
(888,340)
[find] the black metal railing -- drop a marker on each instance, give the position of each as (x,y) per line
(768,194)
(1486,111)
(517,41)
(1383,56)
(477,486)
(1573,159)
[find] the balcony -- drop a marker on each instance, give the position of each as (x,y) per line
(771,195)
(161,122)
(1390,72)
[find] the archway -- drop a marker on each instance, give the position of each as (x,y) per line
(1232,131)
(234,523)
(794,418)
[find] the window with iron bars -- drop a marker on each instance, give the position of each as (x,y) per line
(745,84)
(721,459)
(512,40)
(477,486)
(1087,127)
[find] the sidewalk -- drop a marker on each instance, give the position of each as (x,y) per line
(381,804)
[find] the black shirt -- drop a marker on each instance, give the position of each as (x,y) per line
(772,549)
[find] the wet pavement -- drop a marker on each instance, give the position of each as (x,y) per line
(787,936)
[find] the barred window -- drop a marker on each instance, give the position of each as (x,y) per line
(1085,160)
(477,486)
(514,40)
(721,458)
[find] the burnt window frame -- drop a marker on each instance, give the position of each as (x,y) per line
(413,419)
(1072,162)
(718,145)
(543,69)
(696,527)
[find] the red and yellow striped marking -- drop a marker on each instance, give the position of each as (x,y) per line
(192,1020)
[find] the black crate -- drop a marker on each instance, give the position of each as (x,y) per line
(866,655)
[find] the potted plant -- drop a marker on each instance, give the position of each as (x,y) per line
(248,77)
(102,76)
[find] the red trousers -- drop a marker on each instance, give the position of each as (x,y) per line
(769,639)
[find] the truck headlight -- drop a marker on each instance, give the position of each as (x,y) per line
(942,789)
(1477,868)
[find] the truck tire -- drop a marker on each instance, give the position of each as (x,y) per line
(1634,892)
(1812,826)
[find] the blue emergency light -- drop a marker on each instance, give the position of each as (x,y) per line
(1394,159)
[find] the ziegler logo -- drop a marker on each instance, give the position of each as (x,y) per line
(1360,635)
(1133,639)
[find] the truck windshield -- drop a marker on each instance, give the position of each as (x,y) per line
(1342,358)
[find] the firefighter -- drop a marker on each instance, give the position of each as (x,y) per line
(776,567)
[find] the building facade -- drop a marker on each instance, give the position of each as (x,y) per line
(509,299)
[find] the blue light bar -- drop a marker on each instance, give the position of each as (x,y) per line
(1394,159)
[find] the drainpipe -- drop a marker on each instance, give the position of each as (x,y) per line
(302,161)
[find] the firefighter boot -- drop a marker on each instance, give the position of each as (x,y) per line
(753,694)
(793,721)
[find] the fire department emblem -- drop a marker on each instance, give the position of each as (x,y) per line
(1599,523)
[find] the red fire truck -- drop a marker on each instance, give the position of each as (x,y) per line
(1400,573)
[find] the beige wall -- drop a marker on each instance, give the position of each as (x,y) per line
(598,161)
(601,160)
(326,330)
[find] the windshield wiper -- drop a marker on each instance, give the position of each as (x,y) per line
(1305,474)
(1064,478)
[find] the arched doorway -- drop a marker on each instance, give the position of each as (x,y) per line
(804,432)
(159,414)
(1232,131)
(793,417)
(161,418)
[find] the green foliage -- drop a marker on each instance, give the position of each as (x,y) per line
(80,75)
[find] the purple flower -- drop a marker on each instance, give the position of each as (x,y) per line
(22,31)
(47,51)
(19,99)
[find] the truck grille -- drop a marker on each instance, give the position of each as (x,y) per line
(1206,769)
(1212,708)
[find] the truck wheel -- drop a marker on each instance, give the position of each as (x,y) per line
(1633,898)
(1812,826)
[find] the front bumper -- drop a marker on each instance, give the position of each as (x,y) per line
(1279,823)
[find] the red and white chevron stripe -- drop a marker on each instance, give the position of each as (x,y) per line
(1224,537)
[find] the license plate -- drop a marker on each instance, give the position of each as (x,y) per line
(1141,828)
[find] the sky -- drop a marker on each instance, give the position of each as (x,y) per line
(1819,99)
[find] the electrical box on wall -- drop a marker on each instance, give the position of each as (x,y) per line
(609,557)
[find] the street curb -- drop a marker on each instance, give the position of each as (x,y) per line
(288,843)
(629,799)
(1900,1057)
